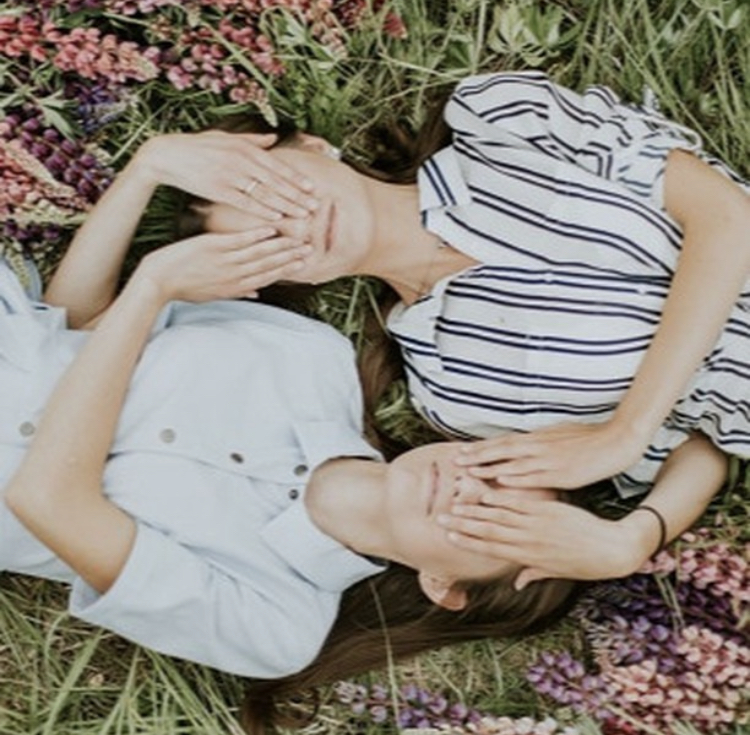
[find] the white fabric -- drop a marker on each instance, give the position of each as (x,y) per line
(231,407)
(559,197)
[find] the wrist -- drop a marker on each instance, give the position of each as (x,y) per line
(633,429)
(643,535)
(150,283)
(144,167)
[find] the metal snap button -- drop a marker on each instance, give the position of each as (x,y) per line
(300,470)
(26,428)
(167,435)
(293,493)
(236,457)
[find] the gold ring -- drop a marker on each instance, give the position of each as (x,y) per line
(249,188)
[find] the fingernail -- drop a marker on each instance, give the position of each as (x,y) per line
(304,249)
(300,213)
(266,232)
(307,184)
(312,204)
(443,519)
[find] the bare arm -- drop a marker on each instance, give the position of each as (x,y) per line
(713,267)
(57,491)
(212,165)
(556,539)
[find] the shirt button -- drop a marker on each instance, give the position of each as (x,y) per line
(167,435)
(300,470)
(236,457)
(26,428)
(293,494)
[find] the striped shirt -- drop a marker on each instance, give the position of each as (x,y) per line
(559,197)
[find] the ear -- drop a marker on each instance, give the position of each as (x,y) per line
(313,143)
(443,592)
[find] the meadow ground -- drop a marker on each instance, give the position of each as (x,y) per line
(84,82)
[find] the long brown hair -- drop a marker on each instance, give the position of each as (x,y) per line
(388,618)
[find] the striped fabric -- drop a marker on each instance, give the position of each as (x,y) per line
(559,197)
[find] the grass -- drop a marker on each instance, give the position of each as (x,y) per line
(60,677)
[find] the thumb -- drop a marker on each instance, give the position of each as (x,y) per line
(262,140)
(528,575)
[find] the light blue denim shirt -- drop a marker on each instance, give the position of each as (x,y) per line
(231,408)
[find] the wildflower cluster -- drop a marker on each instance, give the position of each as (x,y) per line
(48,180)
(414,708)
(656,663)
(72,67)
(409,707)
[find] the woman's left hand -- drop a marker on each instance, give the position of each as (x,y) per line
(548,538)
(565,456)
(233,168)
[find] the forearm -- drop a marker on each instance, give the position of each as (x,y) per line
(87,279)
(690,477)
(57,491)
(713,267)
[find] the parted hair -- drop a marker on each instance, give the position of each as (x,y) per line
(387,617)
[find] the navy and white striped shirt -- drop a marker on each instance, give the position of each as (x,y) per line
(559,197)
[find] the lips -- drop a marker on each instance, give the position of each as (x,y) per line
(433,490)
(330,220)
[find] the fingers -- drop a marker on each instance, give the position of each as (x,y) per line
(498,449)
(264,192)
(530,574)
(492,549)
(268,180)
(238,170)
(277,167)
(255,265)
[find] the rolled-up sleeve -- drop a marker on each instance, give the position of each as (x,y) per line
(172,600)
(593,130)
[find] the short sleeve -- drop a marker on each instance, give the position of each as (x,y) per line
(172,600)
(593,130)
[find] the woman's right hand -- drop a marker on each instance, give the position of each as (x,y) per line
(222,266)
(232,168)
(547,538)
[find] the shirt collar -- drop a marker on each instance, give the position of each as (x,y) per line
(323,440)
(24,322)
(314,555)
(441,182)
(295,538)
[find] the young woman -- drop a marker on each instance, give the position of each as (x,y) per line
(566,267)
(197,471)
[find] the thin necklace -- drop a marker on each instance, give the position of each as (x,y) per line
(425,285)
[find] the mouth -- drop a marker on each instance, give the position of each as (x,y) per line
(330,219)
(434,486)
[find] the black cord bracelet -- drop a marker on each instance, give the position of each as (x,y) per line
(662,526)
